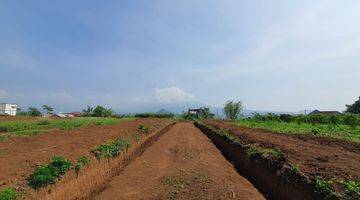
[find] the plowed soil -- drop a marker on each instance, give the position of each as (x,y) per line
(182,164)
(19,156)
(315,156)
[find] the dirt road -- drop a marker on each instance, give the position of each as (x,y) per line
(182,164)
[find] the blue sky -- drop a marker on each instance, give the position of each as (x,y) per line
(143,55)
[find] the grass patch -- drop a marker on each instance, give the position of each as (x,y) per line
(8,194)
(341,131)
(325,188)
(29,128)
(352,188)
(252,151)
(111,148)
(50,173)
(222,132)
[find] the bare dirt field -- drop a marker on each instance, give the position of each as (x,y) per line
(20,156)
(182,164)
(315,156)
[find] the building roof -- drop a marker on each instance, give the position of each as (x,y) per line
(324,112)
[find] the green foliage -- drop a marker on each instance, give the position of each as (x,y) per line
(25,128)
(143,129)
(88,112)
(354,108)
(324,187)
(205,113)
(111,148)
(34,112)
(81,162)
(340,131)
(48,109)
(222,132)
(49,174)
(286,117)
(8,194)
(352,120)
(233,109)
(295,168)
(352,188)
(154,115)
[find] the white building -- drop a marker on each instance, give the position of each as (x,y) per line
(8,108)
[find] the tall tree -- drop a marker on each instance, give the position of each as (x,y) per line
(34,112)
(354,108)
(233,109)
(88,111)
(48,109)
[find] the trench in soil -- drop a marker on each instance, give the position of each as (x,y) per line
(265,179)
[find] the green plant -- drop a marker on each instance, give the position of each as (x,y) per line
(354,108)
(48,109)
(233,109)
(315,131)
(324,187)
(352,120)
(143,129)
(252,151)
(111,148)
(352,188)
(42,122)
(50,173)
(34,112)
(81,162)
(8,194)
(295,168)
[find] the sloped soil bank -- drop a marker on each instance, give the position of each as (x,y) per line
(277,177)
(95,178)
(316,156)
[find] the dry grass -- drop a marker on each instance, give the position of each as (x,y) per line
(92,179)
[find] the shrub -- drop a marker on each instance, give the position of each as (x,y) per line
(324,187)
(335,120)
(43,122)
(317,119)
(49,174)
(8,194)
(81,162)
(143,129)
(352,120)
(111,149)
(233,109)
(286,117)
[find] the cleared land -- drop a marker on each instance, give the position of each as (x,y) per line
(316,157)
(30,126)
(20,156)
(182,164)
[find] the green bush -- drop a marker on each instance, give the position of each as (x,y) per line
(8,194)
(143,129)
(286,117)
(43,122)
(352,120)
(111,149)
(81,162)
(49,174)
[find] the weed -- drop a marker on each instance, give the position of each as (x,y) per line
(2,137)
(252,151)
(231,137)
(295,168)
(8,194)
(81,162)
(143,129)
(111,149)
(324,187)
(42,122)
(352,188)
(49,174)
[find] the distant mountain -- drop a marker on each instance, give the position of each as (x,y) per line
(162,111)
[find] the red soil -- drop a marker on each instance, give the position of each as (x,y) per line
(19,156)
(315,156)
(182,164)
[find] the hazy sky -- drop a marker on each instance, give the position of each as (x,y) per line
(273,55)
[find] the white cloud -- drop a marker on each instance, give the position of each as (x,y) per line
(4,94)
(173,95)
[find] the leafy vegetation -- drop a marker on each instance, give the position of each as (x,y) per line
(49,110)
(233,109)
(25,128)
(98,111)
(33,112)
(325,188)
(111,148)
(50,173)
(81,162)
(154,115)
(143,129)
(354,108)
(8,194)
(341,131)
(352,188)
